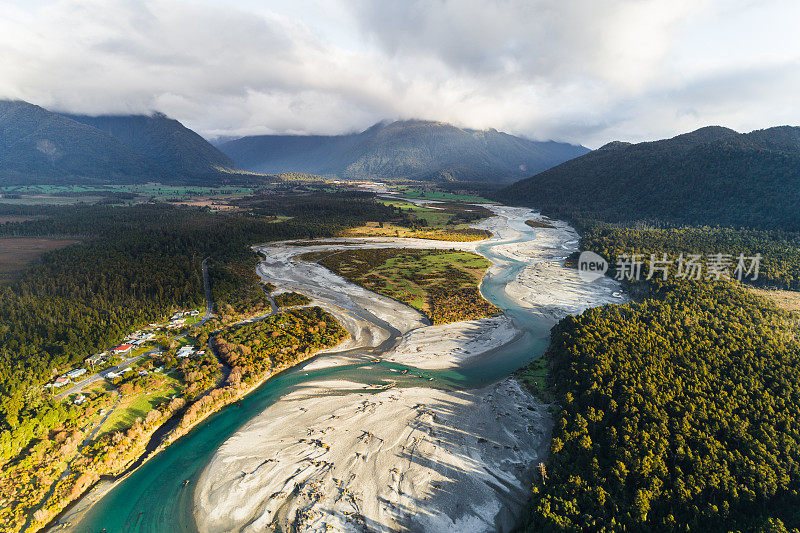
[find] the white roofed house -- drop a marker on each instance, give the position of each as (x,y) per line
(60,381)
(185,351)
(72,374)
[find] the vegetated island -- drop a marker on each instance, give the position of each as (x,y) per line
(442,284)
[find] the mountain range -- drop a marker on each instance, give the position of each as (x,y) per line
(411,149)
(41,146)
(712,176)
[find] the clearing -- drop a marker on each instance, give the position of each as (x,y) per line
(786,300)
(159,388)
(445,221)
(18,252)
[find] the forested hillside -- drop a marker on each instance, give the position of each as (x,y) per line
(40,146)
(779,266)
(164,141)
(677,412)
(713,176)
(413,149)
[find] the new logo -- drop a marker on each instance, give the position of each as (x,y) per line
(591,266)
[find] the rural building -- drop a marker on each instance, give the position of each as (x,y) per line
(60,381)
(95,359)
(122,349)
(72,374)
(79,399)
(186,351)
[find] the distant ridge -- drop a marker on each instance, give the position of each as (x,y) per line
(41,146)
(713,176)
(411,149)
(162,140)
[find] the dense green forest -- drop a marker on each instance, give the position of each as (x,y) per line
(679,413)
(779,266)
(136,264)
(712,176)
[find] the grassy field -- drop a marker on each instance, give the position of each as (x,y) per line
(49,199)
(73,194)
(430,194)
(447,221)
(534,376)
(4,219)
(442,284)
(161,389)
(16,253)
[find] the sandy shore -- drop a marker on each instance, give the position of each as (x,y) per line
(449,345)
(405,459)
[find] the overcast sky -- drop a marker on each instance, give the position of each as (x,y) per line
(583,71)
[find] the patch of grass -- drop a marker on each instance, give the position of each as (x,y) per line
(534,377)
(456,234)
(161,389)
(786,300)
(412,192)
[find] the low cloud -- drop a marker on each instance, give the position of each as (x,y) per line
(579,71)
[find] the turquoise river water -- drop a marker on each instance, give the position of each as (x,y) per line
(155,497)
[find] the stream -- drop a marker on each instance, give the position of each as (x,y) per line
(155,497)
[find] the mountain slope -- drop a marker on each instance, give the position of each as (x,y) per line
(712,176)
(162,140)
(38,146)
(412,149)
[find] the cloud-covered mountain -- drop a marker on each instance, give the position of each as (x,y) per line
(162,140)
(712,176)
(413,149)
(40,146)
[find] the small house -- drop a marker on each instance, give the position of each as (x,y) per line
(122,349)
(72,374)
(95,359)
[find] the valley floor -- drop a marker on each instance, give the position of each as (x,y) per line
(411,458)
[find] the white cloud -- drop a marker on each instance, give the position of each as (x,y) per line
(583,71)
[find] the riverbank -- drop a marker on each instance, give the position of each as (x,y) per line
(209,403)
(330,454)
